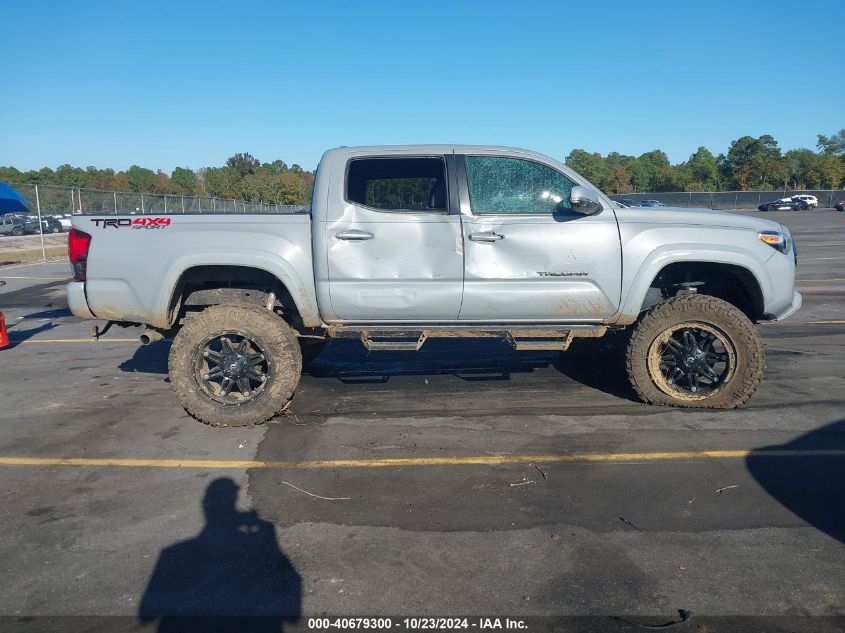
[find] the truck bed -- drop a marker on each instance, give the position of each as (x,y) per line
(135,261)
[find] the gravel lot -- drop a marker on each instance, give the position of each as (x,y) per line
(642,530)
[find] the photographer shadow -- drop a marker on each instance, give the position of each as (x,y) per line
(232,576)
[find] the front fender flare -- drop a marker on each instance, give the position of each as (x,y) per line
(660,257)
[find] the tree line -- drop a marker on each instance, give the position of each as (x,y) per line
(243,177)
(749,164)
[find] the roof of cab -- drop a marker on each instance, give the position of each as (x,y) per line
(375,150)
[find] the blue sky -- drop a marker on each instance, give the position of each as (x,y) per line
(162,84)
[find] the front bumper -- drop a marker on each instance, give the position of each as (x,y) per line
(791,309)
(76,300)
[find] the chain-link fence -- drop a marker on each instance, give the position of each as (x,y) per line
(56,200)
(730,199)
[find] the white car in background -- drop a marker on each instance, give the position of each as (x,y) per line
(812,201)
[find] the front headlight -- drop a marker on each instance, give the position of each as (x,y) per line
(780,240)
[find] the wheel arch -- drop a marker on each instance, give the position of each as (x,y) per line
(730,276)
(204,284)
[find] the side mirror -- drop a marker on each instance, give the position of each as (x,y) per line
(584,200)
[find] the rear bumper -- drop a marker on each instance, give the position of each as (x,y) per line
(76,300)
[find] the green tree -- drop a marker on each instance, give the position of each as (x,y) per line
(219,182)
(243,164)
(702,171)
(70,176)
(184,181)
(754,163)
(276,167)
(619,172)
(140,178)
(832,145)
(651,171)
(591,166)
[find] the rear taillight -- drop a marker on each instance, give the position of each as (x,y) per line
(78,243)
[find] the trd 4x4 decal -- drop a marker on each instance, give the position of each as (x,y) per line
(137,223)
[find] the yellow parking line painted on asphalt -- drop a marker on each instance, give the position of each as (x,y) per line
(77,340)
(480,460)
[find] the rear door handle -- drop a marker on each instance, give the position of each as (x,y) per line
(486,236)
(354,235)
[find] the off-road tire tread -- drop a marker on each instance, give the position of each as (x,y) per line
(708,309)
(277,339)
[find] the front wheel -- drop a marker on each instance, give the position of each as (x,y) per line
(695,351)
(234,365)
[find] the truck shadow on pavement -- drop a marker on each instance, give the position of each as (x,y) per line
(811,485)
(589,362)
(232,576)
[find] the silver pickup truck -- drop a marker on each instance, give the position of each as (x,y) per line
(405,243)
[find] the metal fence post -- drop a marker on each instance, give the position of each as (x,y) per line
(165,204)
(40,226)
(183,204)
(79,199)
(115,201)
(142,204)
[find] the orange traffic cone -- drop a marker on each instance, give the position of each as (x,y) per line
(4,335)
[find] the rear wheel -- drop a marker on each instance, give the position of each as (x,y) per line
(234,365)
(695,351)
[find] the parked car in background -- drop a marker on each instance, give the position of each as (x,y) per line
(51,225)
(64,220)
(11,225)
(31,225)
(812,201)
(651,203)
(840,206)
(784,204)
(628,202)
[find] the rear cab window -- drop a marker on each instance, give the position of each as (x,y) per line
(398,184)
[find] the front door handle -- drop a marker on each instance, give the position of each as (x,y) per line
(486,236)
(354,235)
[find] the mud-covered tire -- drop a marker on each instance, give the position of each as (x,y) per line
(274,337)
(709,313)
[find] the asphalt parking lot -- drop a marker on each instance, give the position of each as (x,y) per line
(464,479)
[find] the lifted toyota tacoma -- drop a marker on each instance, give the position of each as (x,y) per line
(406,243)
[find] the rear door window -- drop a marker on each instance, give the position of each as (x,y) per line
(404,184)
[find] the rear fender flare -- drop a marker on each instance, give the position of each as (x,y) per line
(301,290)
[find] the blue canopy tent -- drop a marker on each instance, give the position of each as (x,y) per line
(11,201)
